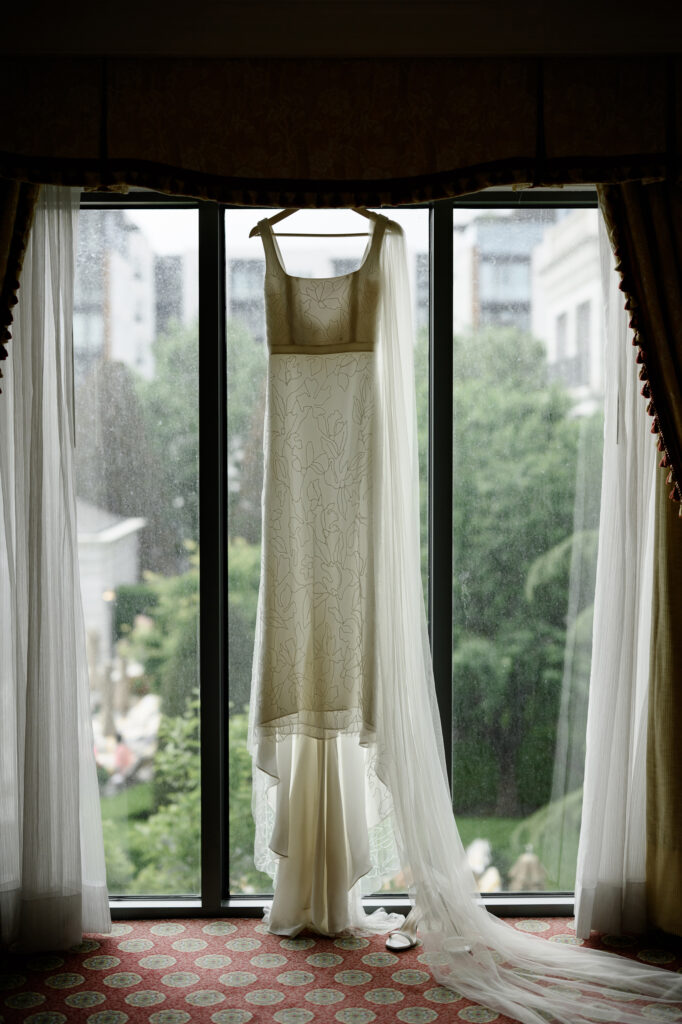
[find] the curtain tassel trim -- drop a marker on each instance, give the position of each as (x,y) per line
(17,203)
(5,333)
(631,306)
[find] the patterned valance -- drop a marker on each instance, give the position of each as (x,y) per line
(335,132)
(313,132)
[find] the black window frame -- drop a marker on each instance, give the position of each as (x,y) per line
(215,900)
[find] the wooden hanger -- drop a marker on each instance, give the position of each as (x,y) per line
(314,234)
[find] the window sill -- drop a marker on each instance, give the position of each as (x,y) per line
(503,905)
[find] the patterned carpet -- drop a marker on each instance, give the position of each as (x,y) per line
(233,972)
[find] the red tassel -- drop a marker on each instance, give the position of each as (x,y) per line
(640,356)
(665,461)
(661,446)
(642,373)
(655,429)
(646,391)
(650,408)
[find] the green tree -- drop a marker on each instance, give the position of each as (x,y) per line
(166,642)
(168,843)
(170,406)
(516,476)
(114,453)
(246,370)
(516,464)
(243,575)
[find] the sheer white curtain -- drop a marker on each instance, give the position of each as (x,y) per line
(52,873)
(610,884)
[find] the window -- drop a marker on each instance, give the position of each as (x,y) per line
(527,471)
(561,335)
(508,566)
(138,544)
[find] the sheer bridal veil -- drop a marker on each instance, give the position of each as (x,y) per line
(521,975)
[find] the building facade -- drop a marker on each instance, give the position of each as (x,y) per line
(568,306)
(114,271)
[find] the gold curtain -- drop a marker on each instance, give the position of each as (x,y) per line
(664,749)
(645,226)
(17,206)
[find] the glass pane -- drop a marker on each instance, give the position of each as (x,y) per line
(136,373)
(246,362)
(528,370)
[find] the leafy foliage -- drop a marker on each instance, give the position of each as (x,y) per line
(525,471)
(243,575)
(154,848)
(132,599)
(170,403)
(167,645)
(246,368)
(170,854)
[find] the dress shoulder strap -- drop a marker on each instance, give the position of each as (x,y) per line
(272,259)
(378,232)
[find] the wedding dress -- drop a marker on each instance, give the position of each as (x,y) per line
(349,770)
(314,691)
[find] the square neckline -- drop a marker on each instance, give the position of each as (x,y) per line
(373,235)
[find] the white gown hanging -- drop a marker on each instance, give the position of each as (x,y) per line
(344,728)
(313,700)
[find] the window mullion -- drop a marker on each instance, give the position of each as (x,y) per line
(440,463)
(212,520)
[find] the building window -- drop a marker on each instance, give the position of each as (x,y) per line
(561,336)
(245,295)
(138,543)
(583,346)
(343,266)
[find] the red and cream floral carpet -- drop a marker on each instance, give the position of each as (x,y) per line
(234,972)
